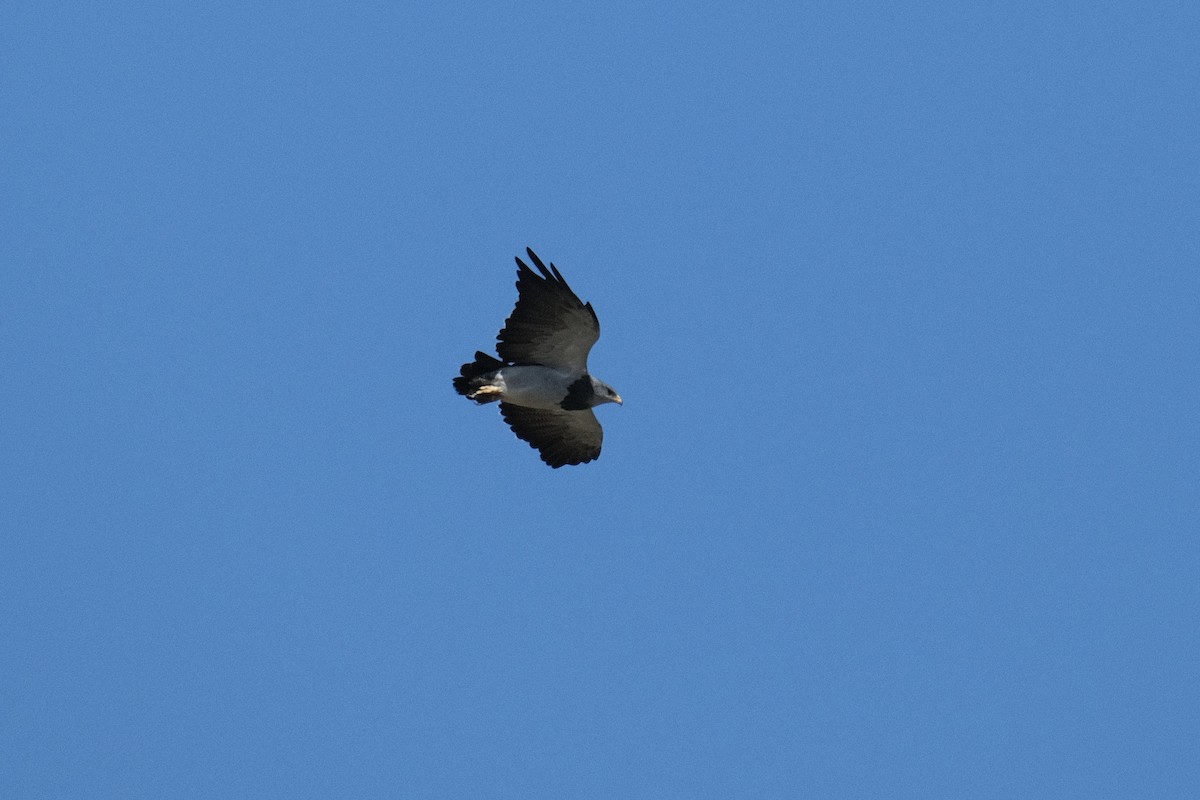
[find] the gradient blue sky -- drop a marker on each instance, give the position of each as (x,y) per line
(904,301)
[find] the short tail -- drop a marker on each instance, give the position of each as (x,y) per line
(471,374)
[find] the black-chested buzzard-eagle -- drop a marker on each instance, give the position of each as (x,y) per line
(541,380)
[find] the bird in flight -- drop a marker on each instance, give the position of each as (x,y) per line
(541,378)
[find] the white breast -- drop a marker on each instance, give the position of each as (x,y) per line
(533,387)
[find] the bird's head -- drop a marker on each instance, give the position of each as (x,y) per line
(603,393)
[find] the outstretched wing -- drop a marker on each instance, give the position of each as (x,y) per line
(562,437)
(550,326)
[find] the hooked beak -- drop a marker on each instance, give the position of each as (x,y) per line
(617,399)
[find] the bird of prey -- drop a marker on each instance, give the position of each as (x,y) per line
(541,379)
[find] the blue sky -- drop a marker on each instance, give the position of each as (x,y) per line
(902,300)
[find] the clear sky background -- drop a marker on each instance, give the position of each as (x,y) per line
(903,300)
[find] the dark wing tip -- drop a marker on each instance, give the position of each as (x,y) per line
(549,274)
(555,462)
(523,269)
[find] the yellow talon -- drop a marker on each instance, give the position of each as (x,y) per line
(484,391)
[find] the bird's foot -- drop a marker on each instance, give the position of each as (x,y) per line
(485,393)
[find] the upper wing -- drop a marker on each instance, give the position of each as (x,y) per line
(562,437)
(550,326)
